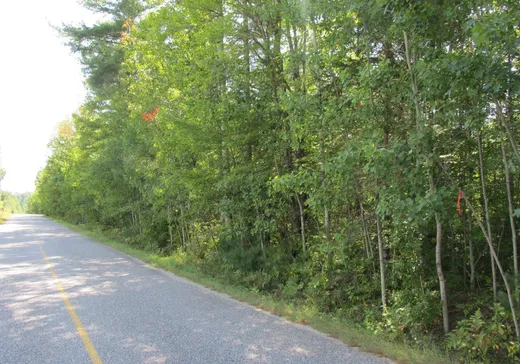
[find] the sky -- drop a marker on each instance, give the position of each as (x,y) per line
(41,84)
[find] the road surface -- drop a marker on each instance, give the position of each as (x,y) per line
(65,298)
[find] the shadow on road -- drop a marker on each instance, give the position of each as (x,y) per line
(134,313)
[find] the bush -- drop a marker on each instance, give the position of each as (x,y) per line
(409,316)
(486,339)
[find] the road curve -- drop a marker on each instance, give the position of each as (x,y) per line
(131,312)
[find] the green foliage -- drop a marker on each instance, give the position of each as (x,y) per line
(11,204)
(279,144)
(486,337)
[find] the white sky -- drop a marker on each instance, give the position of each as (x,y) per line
(40,84)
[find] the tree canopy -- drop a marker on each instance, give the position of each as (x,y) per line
(361,156)
(11,203)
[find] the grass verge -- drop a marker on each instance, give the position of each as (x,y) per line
(3,217)
(326,323)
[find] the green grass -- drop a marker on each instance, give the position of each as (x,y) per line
(329,324)
(3,217)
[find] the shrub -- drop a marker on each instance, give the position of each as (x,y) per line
(484,338)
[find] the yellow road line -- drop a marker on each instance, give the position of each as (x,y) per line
(89,347)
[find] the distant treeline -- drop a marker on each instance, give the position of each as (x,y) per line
(13,203)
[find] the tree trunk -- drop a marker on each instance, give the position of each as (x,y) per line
(247,61)
(471,256)
(511,214)
(508,131)
(440,275)
(170,228)
(469,231)
(502,273)
(302,222)
(326,218)
(184,235)
(365,233)
(486,213)
(381,247)
(438,246)
(438,263)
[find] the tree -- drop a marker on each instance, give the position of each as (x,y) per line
(312,150)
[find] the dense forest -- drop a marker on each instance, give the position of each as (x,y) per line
(11,203)
(357,155)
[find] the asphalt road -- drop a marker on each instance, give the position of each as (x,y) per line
(129,311)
